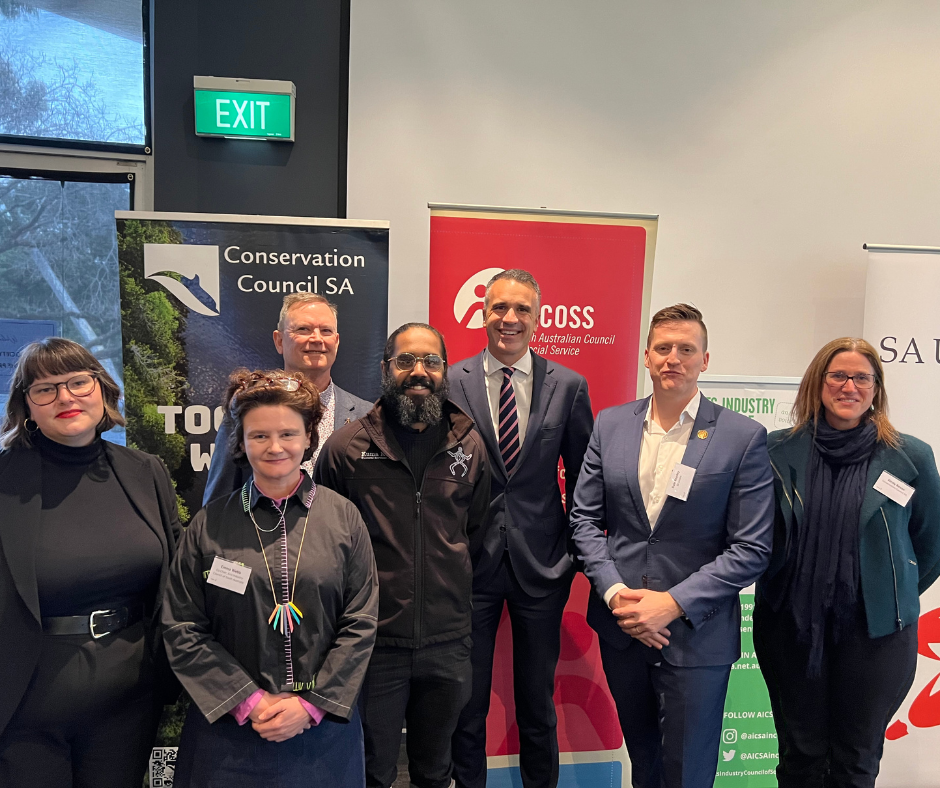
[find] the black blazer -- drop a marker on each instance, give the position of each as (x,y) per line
(147,484)
(527,507)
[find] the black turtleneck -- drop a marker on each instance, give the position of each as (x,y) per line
(94,551)
(419,447)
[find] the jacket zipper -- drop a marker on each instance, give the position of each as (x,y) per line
(419,549)
(419,568)
(894,571)
(782,482)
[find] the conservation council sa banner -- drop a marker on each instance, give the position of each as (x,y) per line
(201,295)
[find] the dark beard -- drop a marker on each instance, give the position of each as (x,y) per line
(403,408)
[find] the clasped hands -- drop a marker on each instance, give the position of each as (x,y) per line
(644,614)
(279,717)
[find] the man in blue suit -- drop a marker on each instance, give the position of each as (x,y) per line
(530,412)
(308,338)
(672,516)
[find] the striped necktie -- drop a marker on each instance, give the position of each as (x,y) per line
(508,422)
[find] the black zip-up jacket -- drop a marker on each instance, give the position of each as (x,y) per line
(426,533)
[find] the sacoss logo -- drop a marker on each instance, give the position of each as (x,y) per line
(197,264)
(468,305)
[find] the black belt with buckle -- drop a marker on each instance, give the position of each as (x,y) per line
(98,624)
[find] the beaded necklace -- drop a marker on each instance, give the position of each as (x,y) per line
(284,615)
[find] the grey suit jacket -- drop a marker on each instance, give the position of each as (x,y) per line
(528,516)
(225,475)
(704,550)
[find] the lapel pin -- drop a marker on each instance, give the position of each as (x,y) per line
(703,434)
(348,421)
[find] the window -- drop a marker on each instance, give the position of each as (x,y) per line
(75,73)
(58,264)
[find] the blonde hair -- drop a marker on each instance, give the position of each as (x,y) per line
(295,300)
(808,403)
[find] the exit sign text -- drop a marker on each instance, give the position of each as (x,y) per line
(229,114)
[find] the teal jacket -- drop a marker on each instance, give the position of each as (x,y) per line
(899,546)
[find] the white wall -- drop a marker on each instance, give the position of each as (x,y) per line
(772,138)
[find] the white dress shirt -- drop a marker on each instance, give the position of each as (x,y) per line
(521,386)
(328,404)
(660,450)
(659,453)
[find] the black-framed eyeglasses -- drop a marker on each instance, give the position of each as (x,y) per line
(46,393)
(407,361)
(862,380)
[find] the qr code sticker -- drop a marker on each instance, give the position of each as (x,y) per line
(162,767)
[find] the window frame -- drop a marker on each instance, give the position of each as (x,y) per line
(71,176)
(88,166)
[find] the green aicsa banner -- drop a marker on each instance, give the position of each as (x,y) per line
(230,114)
(748,755)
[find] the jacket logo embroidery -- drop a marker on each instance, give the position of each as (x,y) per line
(373,455)
(460,461)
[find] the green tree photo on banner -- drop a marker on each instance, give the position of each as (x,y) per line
(154,372)
(154,362)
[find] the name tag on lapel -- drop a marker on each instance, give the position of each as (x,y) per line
(229,575)
(680,481)
(894,488)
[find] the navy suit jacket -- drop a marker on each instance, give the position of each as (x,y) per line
(526,507)
(703,550)
(225,475)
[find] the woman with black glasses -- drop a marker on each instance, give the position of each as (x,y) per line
(270,612)
(857,540)
(87,532)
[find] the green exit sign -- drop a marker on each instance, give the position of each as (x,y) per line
(244,108)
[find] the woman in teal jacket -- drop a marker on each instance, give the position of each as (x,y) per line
(856,541)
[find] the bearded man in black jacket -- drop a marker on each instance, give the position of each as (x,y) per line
(416,468)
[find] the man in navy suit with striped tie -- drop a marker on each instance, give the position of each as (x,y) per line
(530,412)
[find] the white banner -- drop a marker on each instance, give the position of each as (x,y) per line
(902,321)
(767,400)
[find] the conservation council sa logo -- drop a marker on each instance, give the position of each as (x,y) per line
(468,305)
(197,264)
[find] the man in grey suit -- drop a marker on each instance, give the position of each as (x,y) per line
(530,412)
(672,516)
(308,338)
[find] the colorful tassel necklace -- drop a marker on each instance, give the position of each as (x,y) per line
(285,614)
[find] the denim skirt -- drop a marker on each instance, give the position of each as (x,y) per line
(225,754)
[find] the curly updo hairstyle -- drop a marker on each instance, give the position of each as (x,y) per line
(248,390)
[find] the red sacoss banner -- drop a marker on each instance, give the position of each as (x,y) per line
(595,273)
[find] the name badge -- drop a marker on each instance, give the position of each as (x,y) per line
(229,575)
(894,488)
(680,482)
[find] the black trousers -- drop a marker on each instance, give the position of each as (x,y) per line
(88,718)
(831,729)
(670,716)
(425,688)
(536,644)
